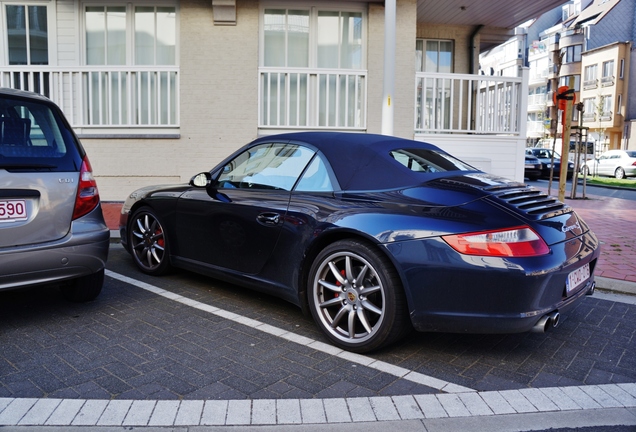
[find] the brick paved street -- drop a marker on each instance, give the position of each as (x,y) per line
(132,344)
(184,341)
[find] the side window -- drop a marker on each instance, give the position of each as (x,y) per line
(315,178)
(428,161)
(266,166)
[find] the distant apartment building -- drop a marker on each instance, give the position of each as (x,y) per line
(588,48)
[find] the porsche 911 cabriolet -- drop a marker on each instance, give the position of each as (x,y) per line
(373,235)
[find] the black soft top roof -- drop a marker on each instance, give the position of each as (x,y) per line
(362,161)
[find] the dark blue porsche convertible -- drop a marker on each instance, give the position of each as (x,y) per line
(373,235)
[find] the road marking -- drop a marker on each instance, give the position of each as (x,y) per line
(372,363)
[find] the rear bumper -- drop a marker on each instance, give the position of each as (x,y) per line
(450,292)
(83,251)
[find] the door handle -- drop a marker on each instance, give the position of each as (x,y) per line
(269,219)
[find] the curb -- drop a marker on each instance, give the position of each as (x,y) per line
(615,285)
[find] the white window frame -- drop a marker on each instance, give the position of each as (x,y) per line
(607,69)
(130,25)
(608,105)
(420,67)
(313,26)
(275,118)
(51,13)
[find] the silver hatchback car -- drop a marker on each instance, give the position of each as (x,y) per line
(52,229)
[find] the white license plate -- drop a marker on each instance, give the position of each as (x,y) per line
(13,210)
(577,278)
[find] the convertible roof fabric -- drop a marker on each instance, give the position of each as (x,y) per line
(361,161)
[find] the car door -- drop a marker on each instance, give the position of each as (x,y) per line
(235,223)
(604,164)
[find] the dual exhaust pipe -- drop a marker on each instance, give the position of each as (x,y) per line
(547,322)
(551,320)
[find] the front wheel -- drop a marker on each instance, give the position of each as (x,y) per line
(586,171)
(356,298)
(619,173)
(148,243)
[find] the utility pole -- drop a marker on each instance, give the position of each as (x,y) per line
(564,99)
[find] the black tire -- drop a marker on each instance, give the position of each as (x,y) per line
(619,173)
(358,317)
(533,178)
(148,242)
(85,288)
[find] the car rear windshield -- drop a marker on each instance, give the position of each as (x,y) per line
(429,161)
(33,137)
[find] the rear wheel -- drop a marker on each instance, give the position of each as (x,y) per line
(619,173)
(356,297)
(148,243)
(85,288)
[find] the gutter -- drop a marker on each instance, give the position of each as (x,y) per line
(471,53)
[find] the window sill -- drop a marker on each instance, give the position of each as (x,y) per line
(127,133)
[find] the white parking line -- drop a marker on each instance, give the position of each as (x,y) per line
(372,363)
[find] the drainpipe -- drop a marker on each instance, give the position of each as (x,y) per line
(389,67)
(473,47)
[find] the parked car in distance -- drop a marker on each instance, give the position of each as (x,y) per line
(533,168)
(371,234)
(52,230)
(545,156)
(616,163)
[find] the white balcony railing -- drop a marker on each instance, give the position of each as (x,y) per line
(537,128)
(312,98)
(104,96)
(538,99)
(477,104)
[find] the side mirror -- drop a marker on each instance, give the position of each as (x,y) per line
(201,180)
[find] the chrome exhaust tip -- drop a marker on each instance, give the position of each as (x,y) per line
(546,322)
(541,325)
(554,318)
(591,290)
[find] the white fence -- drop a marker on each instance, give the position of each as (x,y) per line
(104,96)
(470,104)
(312,98)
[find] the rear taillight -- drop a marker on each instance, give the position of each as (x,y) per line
(511,242)
(87,195)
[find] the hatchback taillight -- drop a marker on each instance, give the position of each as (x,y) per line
(87,195)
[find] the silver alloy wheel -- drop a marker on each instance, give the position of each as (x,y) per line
(619,173)
(349,297)
(147,241)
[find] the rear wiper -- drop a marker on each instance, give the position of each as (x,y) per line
(26,166)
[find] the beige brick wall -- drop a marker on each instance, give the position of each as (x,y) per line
(218,106)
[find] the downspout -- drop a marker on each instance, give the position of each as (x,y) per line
(473,47)
(389,67)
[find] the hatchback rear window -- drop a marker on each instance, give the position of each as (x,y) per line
(33,137)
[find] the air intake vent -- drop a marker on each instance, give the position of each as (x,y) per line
(529,201)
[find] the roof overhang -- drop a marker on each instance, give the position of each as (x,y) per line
(494,19)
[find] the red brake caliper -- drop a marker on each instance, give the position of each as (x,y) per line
(342,272)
